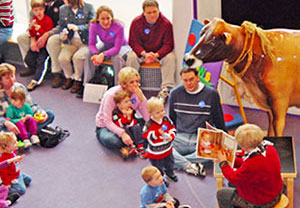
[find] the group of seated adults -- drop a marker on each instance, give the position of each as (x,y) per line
(75,52)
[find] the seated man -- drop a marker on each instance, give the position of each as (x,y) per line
(8,83)
(151,39)
(190,106)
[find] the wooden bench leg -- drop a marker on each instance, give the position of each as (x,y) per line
(290,191)
(219,182)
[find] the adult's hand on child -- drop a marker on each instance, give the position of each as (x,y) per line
(126,139)
(42,40)
(97,59)
(34,47)
(149,59)
(11,127)
(23,119)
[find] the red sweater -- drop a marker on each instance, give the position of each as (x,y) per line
(10,172)
(122,121)
(46,25)
(6,13)
(258,178)
(158,147)
(156,38)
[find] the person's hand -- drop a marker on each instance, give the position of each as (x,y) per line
(72,27)
(36,27)
(27,117)
(221,156)
(64,34)
(126,139)
(23,119)
(34,47)
(42,40)
(31,24)
(18,158)
(169,204)
(161,131)
(97,59)
(128,112)
(149,58)
(11,127)
(139,93)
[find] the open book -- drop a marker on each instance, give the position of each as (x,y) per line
(212,140)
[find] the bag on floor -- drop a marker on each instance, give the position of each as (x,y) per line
(51,137)
(104,75)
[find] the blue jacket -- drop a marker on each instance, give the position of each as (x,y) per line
(81,19)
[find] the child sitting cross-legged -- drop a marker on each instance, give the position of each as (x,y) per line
(11,176)
(20,113)
(124,117)
(154,193)
(159,131)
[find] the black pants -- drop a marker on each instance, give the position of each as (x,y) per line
(165,164)
(135,132)
(35,61)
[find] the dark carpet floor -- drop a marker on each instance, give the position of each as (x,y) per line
(80,173)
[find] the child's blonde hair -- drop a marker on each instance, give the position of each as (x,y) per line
(37,3)
(121,95)
(6,138)
(249,136)
(18,93)
(148,172)
(126,74)
(153,103)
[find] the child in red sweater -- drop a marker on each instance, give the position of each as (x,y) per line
(11,175)
(257,176)
(159,131)
(36,56)
(124,117)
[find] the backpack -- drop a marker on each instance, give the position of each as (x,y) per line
(104,74)
(51,137)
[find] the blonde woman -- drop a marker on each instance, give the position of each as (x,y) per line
(108,133)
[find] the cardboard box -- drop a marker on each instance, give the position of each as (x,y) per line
(93,93)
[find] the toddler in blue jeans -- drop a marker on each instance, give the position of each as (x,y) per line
(11,176)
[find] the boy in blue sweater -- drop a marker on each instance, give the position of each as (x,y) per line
(155,194)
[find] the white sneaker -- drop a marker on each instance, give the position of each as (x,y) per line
(27,143)
(196,169)
(35,139)
(192,168)
(184,206)
(201,169)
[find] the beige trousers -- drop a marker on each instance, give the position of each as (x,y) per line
(76,52)
(168,64)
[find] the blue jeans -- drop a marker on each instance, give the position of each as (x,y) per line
(49,120)
(184,150)
(5,34)
(109,139)
(20,186)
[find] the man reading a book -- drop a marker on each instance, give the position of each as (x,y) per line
(191,105)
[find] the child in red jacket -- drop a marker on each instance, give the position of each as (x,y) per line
(11,175)
(257,176)
(124,117)
(159,131)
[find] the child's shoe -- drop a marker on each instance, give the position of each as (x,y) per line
(172,176)
(124,152)
(27,143)
(34,139)
(12,198)
(142,152)
(20,144)
(184,206)
(132,151)
(166,183)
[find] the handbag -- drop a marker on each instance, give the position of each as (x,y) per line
(51,137)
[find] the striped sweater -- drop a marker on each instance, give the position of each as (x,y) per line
(6,13)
